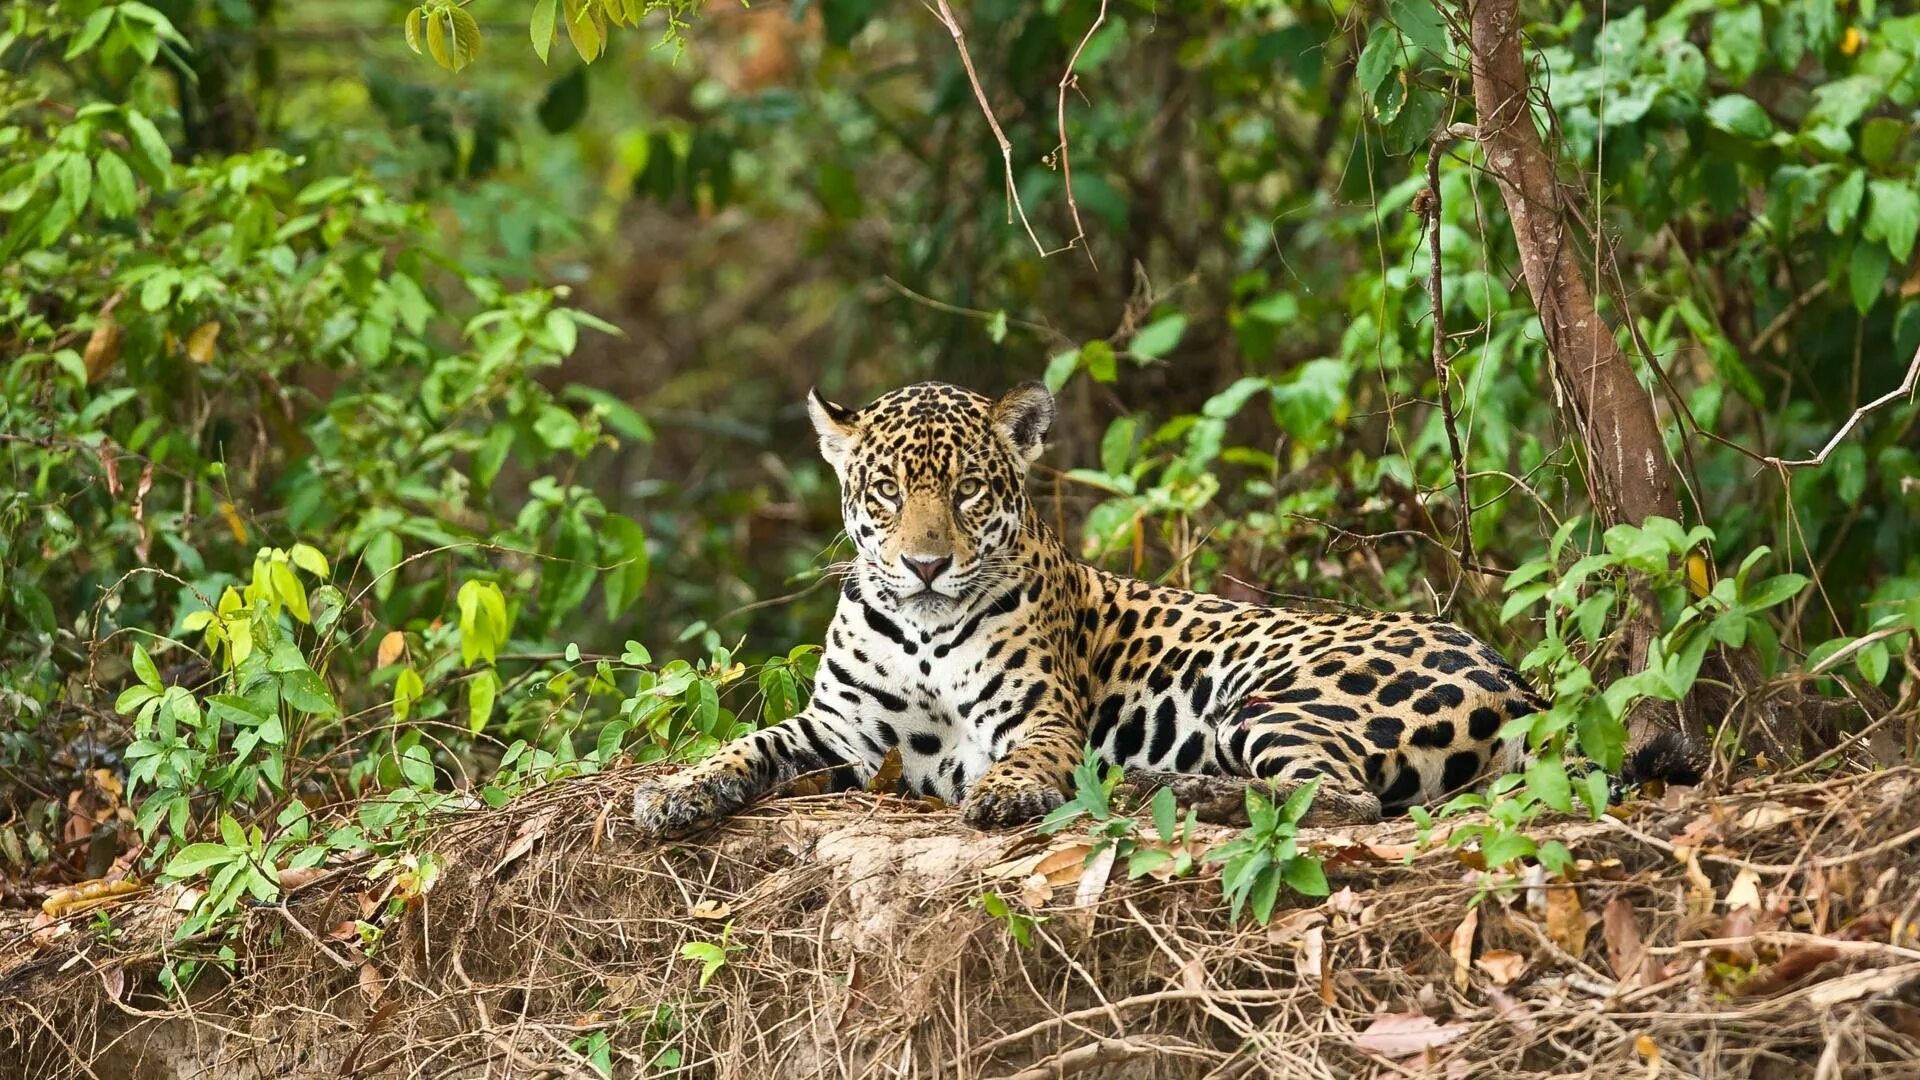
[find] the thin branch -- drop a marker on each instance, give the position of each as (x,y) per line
(1067,81)
(1442,370)
(1014,208)
(1905,389)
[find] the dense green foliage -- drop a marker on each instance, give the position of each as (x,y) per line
(353,409)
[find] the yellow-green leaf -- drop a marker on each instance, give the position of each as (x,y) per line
(406,690)
(585,29)
(412,25)
(542,28)
(437,27)
(466,36)
(290,591)
(481,690)
(308,558)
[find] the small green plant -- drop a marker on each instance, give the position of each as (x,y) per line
(1019,923)
(1266,855)
(1257,861)
(712,955)
(1169,854)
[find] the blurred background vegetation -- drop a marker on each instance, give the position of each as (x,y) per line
(379,404)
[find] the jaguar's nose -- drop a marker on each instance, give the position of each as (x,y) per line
(927,569)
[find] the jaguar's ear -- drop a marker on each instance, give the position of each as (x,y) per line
(834,424)
(1023,417)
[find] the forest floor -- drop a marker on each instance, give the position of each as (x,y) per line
(1769,931)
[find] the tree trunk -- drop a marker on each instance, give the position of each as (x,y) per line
(1631,476)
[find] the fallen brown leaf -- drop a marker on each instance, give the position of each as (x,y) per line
(113,980)
(886,780)
(1290,927)
(1745,891)
(1626,950)
(1461,948)
(1510,1010)
(1402,1035)
(370,982)
(1503,966)
(1567,919)
(711,909)
(1312,961)
(529,834)
(295,877)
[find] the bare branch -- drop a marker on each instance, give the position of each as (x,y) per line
(1014,209)
(1442,370)
(1905,389)
(1068,81)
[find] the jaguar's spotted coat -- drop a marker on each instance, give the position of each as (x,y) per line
(968,637)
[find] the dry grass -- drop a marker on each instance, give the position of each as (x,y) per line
(858,949)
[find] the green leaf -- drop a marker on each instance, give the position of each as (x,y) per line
(1873,662)
(1061,368)
(1098,357)
(1893,216)
(1867,274)
(584,28)
(1739,41)
(1266,890)
(308,558)
(197,858)
(624,548)
(482,688)
(1420,21)
(114,189)
(1593,792)
(1547,779)
(541,28)
(305,691)
(1298,802)
(382,555)
(288,588)
(407,688)
(1843,203)
(1880,139)
(91,32)
(1503,848)
(144,670)
(1164,813)
(844,19)
(1774,590)
(1379,59)
(417,767)
(1306,876)
(1738,114)
(153,149)
(1158,337)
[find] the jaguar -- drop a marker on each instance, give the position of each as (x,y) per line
(968,638)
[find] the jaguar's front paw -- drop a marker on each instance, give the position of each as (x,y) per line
(672,805)
(1000,799)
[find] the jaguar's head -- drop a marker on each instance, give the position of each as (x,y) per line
(933,485)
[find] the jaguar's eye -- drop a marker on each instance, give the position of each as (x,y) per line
(887,490)
(969,487)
